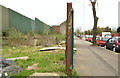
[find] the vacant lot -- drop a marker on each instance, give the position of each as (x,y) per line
(46,61)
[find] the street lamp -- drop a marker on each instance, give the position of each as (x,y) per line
(93,2)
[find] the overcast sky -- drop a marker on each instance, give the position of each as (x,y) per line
(54,12)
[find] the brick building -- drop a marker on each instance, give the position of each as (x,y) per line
(56,28)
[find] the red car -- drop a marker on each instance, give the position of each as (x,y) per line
(90,38)
(102,41)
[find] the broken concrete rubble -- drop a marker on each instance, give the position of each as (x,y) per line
(6,66)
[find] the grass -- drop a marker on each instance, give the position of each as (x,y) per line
(48,62)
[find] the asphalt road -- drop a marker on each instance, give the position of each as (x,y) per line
(94,61)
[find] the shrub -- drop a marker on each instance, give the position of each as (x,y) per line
(12,34)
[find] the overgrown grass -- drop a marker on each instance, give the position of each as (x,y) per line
(12,37)
(48,62)
(58,36)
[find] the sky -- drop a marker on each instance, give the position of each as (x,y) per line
(54,12)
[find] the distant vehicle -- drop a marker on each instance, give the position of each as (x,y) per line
(78,35)
(97,38)
(113,44)
(102,41)
(86,37)
(82,36)
(106,34)
(90,38)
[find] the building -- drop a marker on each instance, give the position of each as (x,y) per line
(56,28)
(63,28)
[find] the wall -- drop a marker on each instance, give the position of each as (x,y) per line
(51,29)
(0,18)
(46,29)
(32,41)
(39,26)
(119,13)
(20,22)
(63,28)
(12,19)
(33,25)
(56,29)
(5,17)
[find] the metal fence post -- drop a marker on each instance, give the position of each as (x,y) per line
(72,36)
(69,39)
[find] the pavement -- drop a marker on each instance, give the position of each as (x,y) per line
(94,60)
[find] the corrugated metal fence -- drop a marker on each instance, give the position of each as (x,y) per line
(11,18)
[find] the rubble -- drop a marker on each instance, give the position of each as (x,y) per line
(6,66)
(34,66)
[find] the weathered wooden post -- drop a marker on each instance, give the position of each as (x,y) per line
(69,40)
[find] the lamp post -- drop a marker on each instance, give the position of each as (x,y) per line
(93,2)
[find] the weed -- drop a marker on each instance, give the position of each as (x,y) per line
(48,62)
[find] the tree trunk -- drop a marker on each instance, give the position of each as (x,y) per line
(95,23)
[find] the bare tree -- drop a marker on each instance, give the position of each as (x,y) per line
(93,2)
(78,30)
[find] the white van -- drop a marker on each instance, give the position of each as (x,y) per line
(106,34)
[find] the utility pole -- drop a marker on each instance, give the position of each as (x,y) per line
(69,40)
(93,2)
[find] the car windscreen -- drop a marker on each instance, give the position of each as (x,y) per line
(104,39)
(97,38)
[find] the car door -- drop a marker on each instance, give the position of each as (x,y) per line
(108,45)
(112,43)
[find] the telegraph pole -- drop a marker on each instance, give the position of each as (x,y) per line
(69,40)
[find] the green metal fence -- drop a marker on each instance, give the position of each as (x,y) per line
(13,19)
(46,29)
(51,29)
(20,22)
(39,26)
(4,18)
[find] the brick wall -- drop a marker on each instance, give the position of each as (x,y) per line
(56,29)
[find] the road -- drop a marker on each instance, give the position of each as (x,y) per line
(94,61)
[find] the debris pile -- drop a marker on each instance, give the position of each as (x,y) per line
(6,66)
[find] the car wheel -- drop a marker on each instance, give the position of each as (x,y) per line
(114,49)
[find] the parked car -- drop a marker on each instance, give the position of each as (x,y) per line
(113,44)
(106,34)
(86,37)
(102,41)
(78,35)
(90,37)
(82,36)
(97,38)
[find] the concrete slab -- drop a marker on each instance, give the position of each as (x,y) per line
(54,48)
(44,74)
(18,58)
